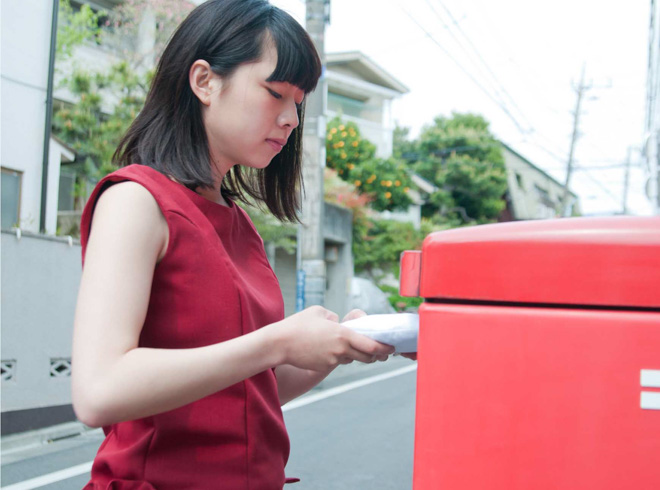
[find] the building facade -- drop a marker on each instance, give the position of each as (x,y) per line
(531,192)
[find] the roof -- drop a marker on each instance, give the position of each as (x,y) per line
(365,67)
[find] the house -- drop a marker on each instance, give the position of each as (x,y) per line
(532,193)
(26,188)
(362,92)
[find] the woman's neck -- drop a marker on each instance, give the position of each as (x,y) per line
(214,195)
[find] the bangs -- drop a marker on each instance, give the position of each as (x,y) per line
(298,62)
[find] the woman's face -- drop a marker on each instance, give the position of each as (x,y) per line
(247,119)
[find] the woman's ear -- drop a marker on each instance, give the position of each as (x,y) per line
(203,82)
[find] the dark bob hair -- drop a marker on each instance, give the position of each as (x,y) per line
(168,134)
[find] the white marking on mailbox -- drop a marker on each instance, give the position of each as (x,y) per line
(650,400)
(650,378)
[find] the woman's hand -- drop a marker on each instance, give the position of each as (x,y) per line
(353,314)
(312,339)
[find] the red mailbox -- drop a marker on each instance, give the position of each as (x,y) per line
(539,355)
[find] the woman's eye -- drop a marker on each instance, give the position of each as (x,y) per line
(275,94)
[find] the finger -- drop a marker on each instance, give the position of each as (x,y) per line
(360,356)
(410,355)
(332,316)
(367,345)
(353,314)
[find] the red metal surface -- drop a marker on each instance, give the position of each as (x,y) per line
(411,268)
(577,261)
(535,398)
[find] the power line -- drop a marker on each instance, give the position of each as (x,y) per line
(464,70)
(481,58)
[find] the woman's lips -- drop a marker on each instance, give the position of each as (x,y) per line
(276,144)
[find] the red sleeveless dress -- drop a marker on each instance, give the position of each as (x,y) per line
(213,284)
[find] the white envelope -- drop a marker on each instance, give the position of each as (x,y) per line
(397,329)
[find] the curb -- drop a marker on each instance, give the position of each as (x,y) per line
(35,438)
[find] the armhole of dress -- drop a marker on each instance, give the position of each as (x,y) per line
(97,195)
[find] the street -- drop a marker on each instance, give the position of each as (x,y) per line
(353,431)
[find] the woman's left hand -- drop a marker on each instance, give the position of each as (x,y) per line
(353,314)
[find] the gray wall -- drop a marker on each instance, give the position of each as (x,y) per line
(40,278)
(337,231)
(285,270)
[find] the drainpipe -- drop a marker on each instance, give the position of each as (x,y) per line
(49,113)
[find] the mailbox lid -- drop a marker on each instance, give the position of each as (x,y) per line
(612,261)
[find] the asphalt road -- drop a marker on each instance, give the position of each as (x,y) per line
(355,431)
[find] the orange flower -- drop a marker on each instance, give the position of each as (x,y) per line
(333,130)
(358,183)
(341,128)
(341,144)
(355,143)
(343,155)
(397,183)
(351,166)
(329,136)
(388,195)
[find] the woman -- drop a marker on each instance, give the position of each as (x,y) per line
(181,351)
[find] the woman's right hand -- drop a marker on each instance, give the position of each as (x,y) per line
(313,339)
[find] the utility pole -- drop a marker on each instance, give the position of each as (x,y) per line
(581,90)
(626,178)
(311,247)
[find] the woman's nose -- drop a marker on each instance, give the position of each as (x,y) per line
(289,117)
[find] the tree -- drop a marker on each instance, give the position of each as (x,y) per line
(106,101)
(385,181)
(464,160)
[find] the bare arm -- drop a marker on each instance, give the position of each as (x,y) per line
(114,379)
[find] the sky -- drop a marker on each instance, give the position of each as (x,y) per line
(518,63)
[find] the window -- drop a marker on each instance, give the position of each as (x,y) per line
(11,197)
(519,180)
(345,105)
(66,199)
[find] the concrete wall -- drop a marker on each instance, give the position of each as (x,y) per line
(26,26)
(285,270)
(40,278)
(337,231)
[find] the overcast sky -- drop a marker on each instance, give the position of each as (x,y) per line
(523,57)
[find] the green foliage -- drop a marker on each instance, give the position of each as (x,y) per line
(106,101)
(87,128)
(398,302)
(386,182)
(282,235)
(402,147)
(74,28)
(345,148)
(377,244)
(464,160)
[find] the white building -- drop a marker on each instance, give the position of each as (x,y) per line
(362,92)
(531,192)
(26,41)
(652,120)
